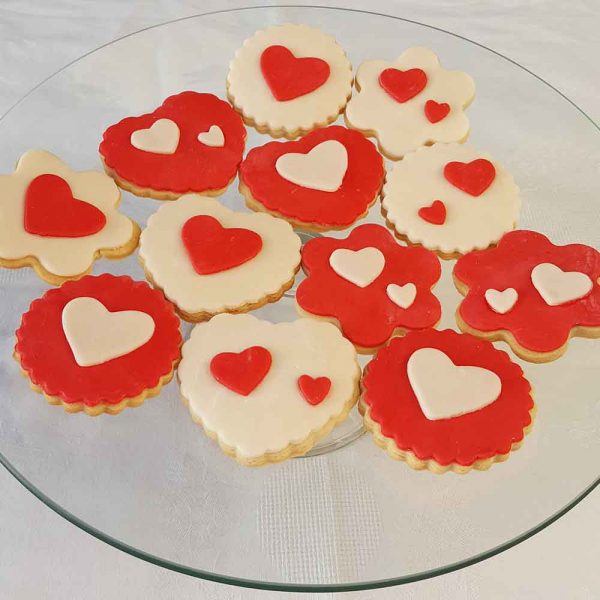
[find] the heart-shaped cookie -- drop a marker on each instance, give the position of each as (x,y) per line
(213,137)
(162,137)
(501,301)
(558,287)
(402,295)
(473,178)
(241,372)
(360,267)
(403,85)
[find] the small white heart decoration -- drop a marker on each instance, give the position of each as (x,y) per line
(445,390)
(402,295)
(501,301)
(323,168)
(97,335)
(162,137)
(557,287)
(360,267)
(213,137)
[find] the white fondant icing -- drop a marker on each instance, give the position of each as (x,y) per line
(557,287)
(402,295)
(501,301)
(162,137)
(360,267)
(213,137)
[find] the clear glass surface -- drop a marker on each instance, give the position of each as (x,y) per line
(149,482)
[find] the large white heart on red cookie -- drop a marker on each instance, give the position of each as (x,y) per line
(360,267)
(559,287)
(162,137)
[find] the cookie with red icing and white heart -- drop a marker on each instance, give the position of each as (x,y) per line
(267,391)
(530,293)
(99,344)
(288,79)
(441,400)
(410,102)
(369,285)
(451,199)
(326,180)
(191,143)
(59,221)
(209,259)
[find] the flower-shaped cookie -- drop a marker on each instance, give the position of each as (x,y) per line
(531,294)
(59,221)
(369,285)
(326,180)
(191,143)
(99,344)
(451,199)
(289,79)
(441,400)
(410,103)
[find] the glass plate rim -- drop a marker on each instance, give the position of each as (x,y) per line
(276,586)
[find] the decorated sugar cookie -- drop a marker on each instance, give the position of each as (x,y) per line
(410,102)
(60,221)
(369,285)
(267,391)
(99,344)
(530,293)
(209,259)
(326,180)
(442,400)
(450,199)
(289,79)
(191,143)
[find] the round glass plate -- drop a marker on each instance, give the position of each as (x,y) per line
(151,483)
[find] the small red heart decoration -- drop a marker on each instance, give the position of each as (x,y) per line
(436,111)
(289,77)
(402,85)
(434,214)
(213,248)
(52,211)
(314,389)
(473,178)
(241,372)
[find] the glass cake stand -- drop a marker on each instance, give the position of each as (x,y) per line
(149,482)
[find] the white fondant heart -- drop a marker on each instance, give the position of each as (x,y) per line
(501,301)
(97,335)
(360,267)
(402,295)
(323,168)
(162,137)
(213,137)
(445,390)
(557,286)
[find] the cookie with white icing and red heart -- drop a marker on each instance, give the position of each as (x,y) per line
(369,285)
(289,79)
(99,344)
(191,143)
(267,391)
(451,199)
(59,221)
(530,293)
(411,102)
(326,180)
(209,259)
(442,400)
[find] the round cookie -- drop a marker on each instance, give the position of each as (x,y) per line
(289,79)
(451,199)
(267,391)
(60,221)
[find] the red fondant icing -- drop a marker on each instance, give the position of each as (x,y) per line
(213,248)
(194,167)
(434,214)
(535,325)
(473,178)
(314,389)
(47,358)
(52,211)
(436,111)
(477,435)
(361,184)
(241,372)
(403,85)
(366,315)
(289,77)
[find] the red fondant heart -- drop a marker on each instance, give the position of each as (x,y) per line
(213,248)
(436,111)
(474,177)
(314,389)
(241,371)
(402,85)
(289,77)
(435,213)
(52,211)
